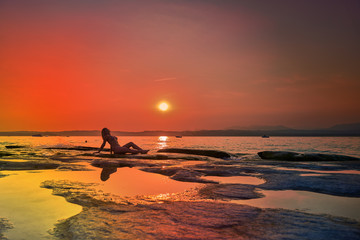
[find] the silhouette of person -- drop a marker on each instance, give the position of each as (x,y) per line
(115,146)
(106,172)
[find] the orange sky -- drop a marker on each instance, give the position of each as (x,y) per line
(83,65)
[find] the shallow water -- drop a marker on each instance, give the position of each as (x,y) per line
(236,179)
(308,202)
(123,181)
(312,174)
(34,210)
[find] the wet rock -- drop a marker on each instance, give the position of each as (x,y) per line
(193,173)
(335,184)
(294,156)
(4,225)
(200,220)
(75,192)
(65,158)
(278,155)
(209,153)
(73,167)
(14,146)
(135,156)
(301,165)
(28,165)
(286,175)
(69,159)
(187,175)
(148,156)
(219,170)
(3,154)
(102,218)
(230,191)
(79,148)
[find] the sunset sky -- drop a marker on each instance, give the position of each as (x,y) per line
(88,64)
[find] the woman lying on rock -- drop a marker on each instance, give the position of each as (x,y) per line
(115,146)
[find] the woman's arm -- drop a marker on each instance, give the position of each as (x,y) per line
(102,146)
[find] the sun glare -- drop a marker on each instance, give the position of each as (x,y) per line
(163,138)
(163,106)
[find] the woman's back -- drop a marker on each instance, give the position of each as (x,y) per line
(112,140)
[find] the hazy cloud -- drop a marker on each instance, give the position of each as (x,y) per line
(164,79)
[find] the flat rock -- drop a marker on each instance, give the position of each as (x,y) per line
(148,156)
(346,185)
(133,218)
(187,175)
(28,165)
(202,220)
(14,146)
(294,156)
(174,219)
(3,154)
(230,191)
(133,156)
(79,148)
(209,153)
(5,224)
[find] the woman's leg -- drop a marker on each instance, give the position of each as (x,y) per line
(123,150)
(126,149)
(133,145)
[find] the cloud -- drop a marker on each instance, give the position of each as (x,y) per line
(164,79)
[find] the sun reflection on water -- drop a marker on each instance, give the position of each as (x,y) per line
(162,142)
(163,138)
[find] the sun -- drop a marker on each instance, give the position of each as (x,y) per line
(163,106)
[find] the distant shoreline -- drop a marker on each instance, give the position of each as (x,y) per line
(201,133)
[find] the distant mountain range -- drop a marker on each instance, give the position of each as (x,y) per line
(346,127)
(256,127)
(337,130)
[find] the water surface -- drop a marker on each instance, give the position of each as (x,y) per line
(307,201)
(328,145)
(34,210)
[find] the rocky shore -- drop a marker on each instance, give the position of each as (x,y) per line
(206,211)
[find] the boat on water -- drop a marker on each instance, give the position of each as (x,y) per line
(178,136)
(265,136)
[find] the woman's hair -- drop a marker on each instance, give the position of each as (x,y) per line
(104,132)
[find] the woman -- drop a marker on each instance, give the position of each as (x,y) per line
(115,146)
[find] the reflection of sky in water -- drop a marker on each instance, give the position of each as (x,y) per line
(236,179)
(31,209)
(24,203)
(34,210)
(131,181)
(307,201)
